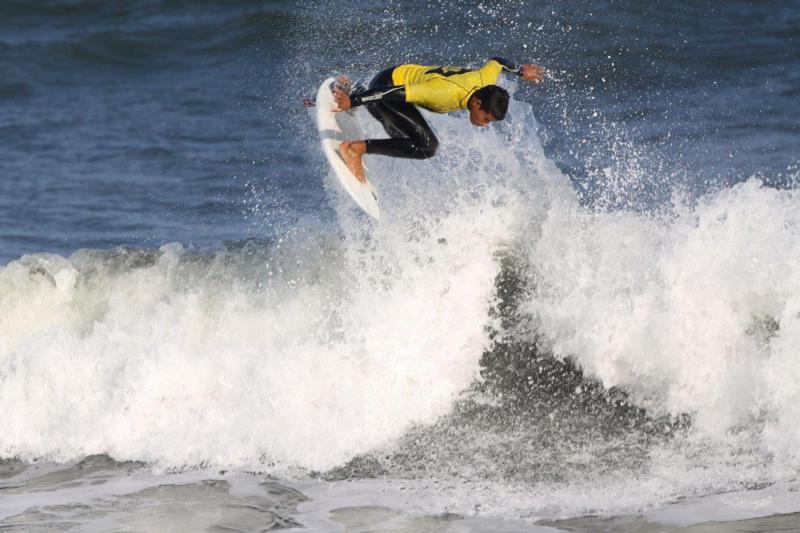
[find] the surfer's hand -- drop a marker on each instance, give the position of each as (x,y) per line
(342,100)
(534,73)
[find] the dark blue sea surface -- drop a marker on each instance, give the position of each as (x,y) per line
(145,122)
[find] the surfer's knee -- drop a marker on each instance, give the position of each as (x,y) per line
(429,147)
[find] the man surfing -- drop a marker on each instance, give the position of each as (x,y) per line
(393,94)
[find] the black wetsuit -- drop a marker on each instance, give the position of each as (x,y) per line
(411,136)
(436,88)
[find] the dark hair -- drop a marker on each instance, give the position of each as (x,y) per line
(494,100)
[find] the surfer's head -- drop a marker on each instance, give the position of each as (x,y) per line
(487,104)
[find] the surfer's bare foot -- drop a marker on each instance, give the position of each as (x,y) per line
(351,152)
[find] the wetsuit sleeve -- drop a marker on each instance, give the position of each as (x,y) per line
(396,93)
(507,65)
(431,94)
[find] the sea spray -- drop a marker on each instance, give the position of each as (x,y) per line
(301,351)
(693,313)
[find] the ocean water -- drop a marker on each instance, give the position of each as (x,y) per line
(584,318)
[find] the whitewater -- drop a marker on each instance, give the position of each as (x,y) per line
(360,351)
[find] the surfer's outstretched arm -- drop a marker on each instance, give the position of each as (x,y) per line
(526,71)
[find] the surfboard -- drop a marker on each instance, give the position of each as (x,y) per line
(333,129)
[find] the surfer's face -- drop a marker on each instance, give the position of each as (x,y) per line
(478,116)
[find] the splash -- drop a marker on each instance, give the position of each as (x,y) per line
(300,352)
(323,344)
(692,313)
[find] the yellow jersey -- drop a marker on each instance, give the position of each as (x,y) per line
(444,89)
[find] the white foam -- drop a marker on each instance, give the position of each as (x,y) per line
(176,363)
(659,500)
(696,313)
(331,344)
(337,340)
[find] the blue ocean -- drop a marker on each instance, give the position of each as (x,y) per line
(585,317)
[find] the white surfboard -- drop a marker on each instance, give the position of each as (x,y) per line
(333,129)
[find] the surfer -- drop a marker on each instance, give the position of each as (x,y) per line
(393,94)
